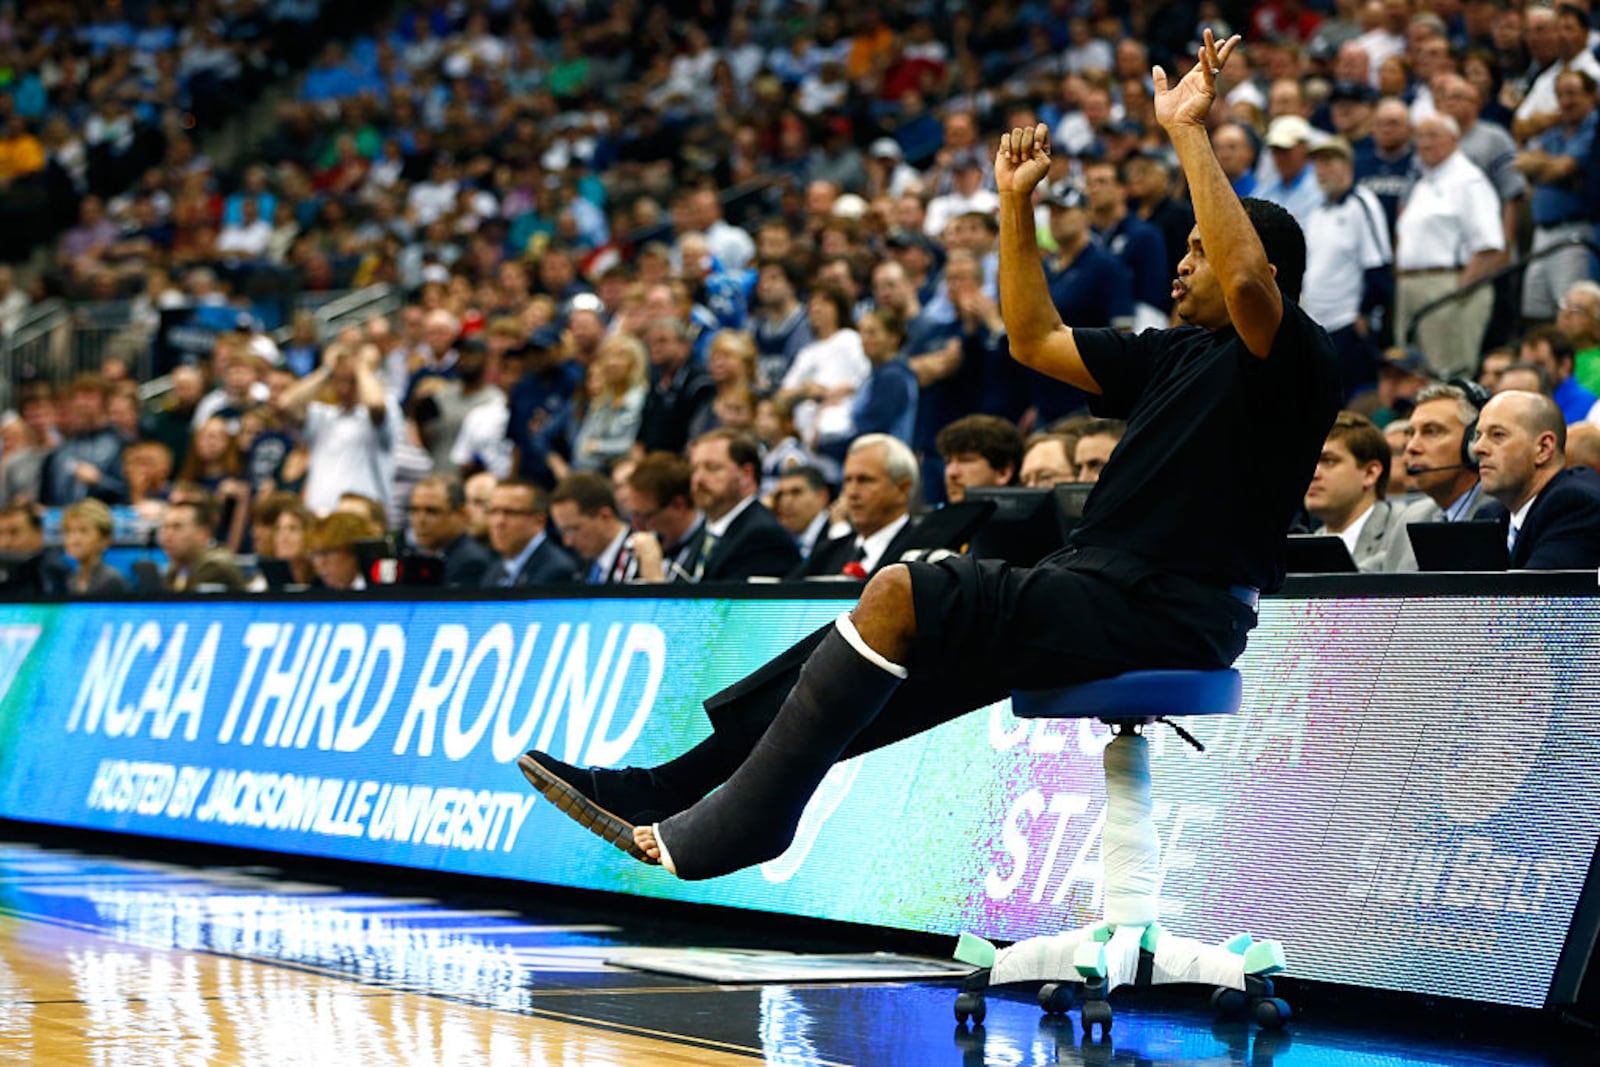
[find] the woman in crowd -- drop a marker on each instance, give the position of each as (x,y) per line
(289,538)
(86,534)
(332,544)
(616,404)
(827,372)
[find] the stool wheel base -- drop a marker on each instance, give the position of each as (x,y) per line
(971,1005)
(1056,998)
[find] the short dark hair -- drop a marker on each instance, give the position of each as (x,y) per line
(1560,344)
(588,490)
(742,448)
(813,477)
(1112,428)
(455,494)
(840,301)
(1545,388)
(1365,442)
(1283,240)
(997,440)
(27,512)
(539,500)
(663,475)
(376,513)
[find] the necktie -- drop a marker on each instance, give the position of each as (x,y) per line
(860,554)
(1511,538)
(707,545)
(596,575)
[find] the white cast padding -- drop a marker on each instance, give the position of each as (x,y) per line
(1130,851)
(864,650)
(1039,959)
(1122,956)
(1183,959)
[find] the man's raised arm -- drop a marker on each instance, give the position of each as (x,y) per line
(1227,238)
(1034,329)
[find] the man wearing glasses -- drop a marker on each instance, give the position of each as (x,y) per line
(438,515)
(518,512)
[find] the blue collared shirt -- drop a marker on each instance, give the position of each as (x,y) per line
(1554,204)
(1462,508)
(513,566)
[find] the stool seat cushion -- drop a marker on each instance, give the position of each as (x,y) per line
(1135,695)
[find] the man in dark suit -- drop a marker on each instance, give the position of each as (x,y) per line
(518,512)
(438,514)
(880,481)
(584,509)
(742,538)
(193,560)
(1552,513)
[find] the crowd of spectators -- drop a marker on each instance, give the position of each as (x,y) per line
(662,271)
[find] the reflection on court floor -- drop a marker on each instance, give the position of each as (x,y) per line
(114,961)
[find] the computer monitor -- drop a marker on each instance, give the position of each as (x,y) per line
(1459,546)
(1316,554)
(1026,525)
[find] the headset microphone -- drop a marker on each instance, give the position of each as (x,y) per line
(1446,467)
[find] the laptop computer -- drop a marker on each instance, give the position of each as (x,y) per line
(1459,546)
(1317,554)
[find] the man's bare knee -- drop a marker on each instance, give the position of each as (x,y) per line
(885,616)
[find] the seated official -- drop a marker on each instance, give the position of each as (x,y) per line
(194,562)
(658,493)
(438,515)
(584,510)
(801,503)
(742,539)
(22,535)
(979,451)
(86,529)
(518,512)
(1552,511)
(1048,460)
(1097,439)
(880,482)
(1434,459)
(332,544)
(1347,490)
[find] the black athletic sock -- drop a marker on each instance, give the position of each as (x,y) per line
(753,817)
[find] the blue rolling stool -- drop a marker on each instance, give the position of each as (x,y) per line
(1128,947)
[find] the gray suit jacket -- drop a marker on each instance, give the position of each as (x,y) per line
(1398,557)
(1381,528)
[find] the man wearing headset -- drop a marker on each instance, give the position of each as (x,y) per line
(1440,461)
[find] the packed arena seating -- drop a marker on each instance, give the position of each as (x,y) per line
(607,229)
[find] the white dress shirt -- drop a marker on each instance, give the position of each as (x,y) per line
(1343,242)
(875,544)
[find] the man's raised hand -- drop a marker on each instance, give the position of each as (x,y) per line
(1189,101)
(1023,159)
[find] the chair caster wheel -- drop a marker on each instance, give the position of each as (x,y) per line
(971,1006)
(1271,1013)
(1096,1013)
(1055,998)
(1229,1003)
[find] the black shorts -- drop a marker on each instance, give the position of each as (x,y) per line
(1079,615)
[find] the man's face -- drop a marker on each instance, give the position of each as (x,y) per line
(1233,150)
(1508,451)
(1391,126)
(1102,189)
(1339,482)
(1045,464)
(1435,442)
(1091,456)
(182,537)
(434,523)
(1290,161)
(18,535)
(797,504)
(512,521)
(1334,174)
(1068,225)
(1538,352)
(1196,294)
(872,500)
(1572,99)
(890,288)
(587,535)
(969,470)
(716,482)
(1434,144)
(666,348)
(1494,365)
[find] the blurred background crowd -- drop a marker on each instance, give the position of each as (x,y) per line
(554,290)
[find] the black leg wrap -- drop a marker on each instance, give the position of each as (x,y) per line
(753,817)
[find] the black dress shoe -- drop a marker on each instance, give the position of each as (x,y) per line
(609,803)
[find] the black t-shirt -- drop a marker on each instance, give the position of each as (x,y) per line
(1220,445)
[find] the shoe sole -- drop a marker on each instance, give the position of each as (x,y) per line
(573,804)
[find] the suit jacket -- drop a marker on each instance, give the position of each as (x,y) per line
(550,564)
(1381,528)
(215,567)
(103,579)
(1398,556)
(830,557)
(755,544)
(466,562)
(1562,529)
